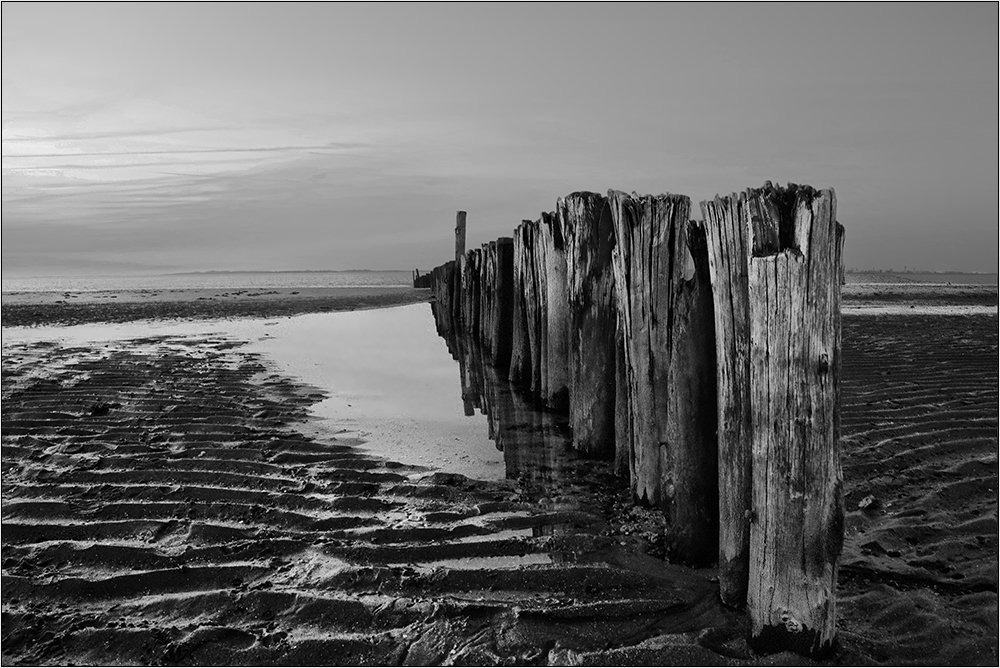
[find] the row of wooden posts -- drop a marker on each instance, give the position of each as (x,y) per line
(703,356)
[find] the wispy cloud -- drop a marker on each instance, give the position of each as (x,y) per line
(332,146)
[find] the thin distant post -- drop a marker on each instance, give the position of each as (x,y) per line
(459,236)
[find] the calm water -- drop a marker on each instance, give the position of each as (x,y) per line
(389,378)
(221,280)
(954,279)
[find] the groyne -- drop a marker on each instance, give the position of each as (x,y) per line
(703,356)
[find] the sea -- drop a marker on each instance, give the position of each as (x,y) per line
(212,280)
(952,278)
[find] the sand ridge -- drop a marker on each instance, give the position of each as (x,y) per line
(161,508)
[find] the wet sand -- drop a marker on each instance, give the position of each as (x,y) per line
(168,500)
(20,309)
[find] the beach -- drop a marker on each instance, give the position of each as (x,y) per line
(123,305)
(267,478)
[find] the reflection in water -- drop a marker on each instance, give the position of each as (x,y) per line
(535,442)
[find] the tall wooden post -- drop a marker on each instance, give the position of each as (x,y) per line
(520,352)
(532,285)
(555,386)
(503,305)
(590,238)
(459,235)
(798,528)
(623,416)
(665,312)
(726,224)
(486,294)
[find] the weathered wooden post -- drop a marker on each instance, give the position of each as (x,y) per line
(503,305)
(552,263)
(726,227)
(665,310)
(590,238)
(443,284)
(520,353)
(455,292)
(465,291)
(483,321)
(476,292)
(532,286)
(797,532)
(459,235)
(623,417)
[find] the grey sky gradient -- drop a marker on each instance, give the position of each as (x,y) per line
(191,136)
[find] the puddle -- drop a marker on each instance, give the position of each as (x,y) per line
(390,382)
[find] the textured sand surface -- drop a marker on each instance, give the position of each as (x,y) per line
(70,308)
(165,503)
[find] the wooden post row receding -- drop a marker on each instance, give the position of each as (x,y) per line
(623,306)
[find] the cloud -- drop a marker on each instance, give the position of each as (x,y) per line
(331,146)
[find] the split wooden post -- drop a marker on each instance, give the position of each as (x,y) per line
(798,515)
(665,311)
(726,226)
(590,239)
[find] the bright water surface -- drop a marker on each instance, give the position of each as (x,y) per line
(389,378)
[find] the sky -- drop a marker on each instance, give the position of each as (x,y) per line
(194,136)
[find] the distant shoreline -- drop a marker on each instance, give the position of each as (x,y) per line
(39,309)
(914,271)
(287,271)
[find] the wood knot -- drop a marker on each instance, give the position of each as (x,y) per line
(824,363)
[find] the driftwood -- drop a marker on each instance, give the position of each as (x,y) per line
(664,309)
(726,224)
(798,527)
(590,237)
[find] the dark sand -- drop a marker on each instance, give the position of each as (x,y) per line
(161,506)
(71,308)
(917,295)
